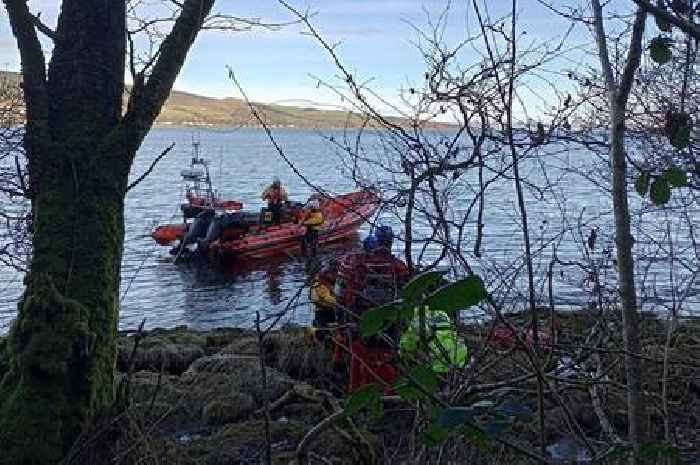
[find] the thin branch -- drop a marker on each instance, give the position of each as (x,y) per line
(150,168)
(43,28)
(33,62)
(633,58)
(144,107)
(602,43)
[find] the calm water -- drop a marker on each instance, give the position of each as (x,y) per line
(242,162)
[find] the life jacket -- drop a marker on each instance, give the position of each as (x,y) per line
(314,219)
(321,295)
(274,194)
(446,348)
(367,280)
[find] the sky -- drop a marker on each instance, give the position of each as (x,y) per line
(376,38)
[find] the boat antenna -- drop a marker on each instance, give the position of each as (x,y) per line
(221,163)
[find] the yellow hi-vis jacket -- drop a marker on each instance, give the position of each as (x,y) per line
(314,219)
(322,295)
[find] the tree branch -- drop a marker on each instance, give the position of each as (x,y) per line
(681,23)
(602,43)
(145,105)
(33,62)
(150,168)
(634,56)
(43,28)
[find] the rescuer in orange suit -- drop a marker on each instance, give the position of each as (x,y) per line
(275,195)
(365,280)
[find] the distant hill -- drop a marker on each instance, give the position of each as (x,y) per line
(186,109)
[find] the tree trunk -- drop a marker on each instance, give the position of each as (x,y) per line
(62,346)
(63,341)
(618,94)
(625,266)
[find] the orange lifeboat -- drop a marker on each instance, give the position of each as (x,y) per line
(250,237)
(343,216)
(168,233)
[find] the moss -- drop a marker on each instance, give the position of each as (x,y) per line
(62,345)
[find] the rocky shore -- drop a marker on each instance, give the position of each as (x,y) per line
(187,396)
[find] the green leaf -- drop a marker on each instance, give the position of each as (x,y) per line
(458,295)
(420,284)
(660,192)
(680,138)
(641,184)
(373,320)
(676,177)
(657,450)
(453,417)
(407,312)
(425,377)
(435,434)
(476,438)
(406,390)
(363,397)
(660,49)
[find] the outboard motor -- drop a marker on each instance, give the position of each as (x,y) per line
(213,232)
(199,227)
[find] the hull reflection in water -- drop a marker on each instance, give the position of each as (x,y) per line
(229,294)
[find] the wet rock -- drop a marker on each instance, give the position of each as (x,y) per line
(245,344)
(221,374)
(233,408)
(302,411)
(293,353)
(242,442)
(219,338)
(169,350)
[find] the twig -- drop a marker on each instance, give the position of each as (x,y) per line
(43,28)
(150,168)
(314,432)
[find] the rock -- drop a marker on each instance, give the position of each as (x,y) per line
(306,412)
(240,443)
(292,352)
(243,345)
(228,410)
(222,374)
(218,338)
(144,384)
(170,350)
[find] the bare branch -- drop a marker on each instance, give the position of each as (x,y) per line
(150,168)
(33,62)
(144,107)
(602,42)
(43,28)
(633,57)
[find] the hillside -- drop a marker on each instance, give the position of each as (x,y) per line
(186,109)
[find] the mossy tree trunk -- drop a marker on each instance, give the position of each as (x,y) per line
(80,147)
